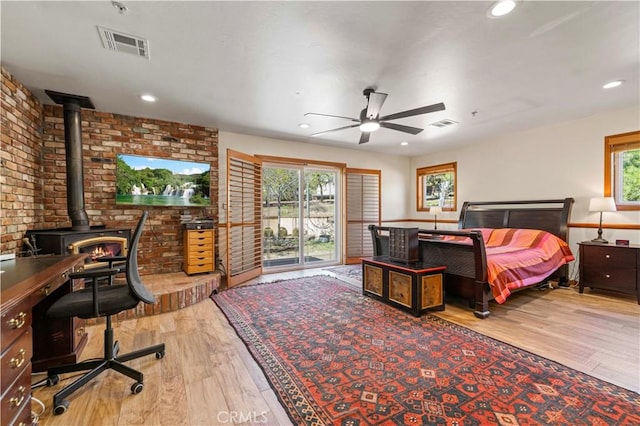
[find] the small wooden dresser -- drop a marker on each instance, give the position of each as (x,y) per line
(199,251)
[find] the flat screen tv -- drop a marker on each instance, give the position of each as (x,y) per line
(154,181)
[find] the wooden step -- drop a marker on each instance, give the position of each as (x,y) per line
(172,292)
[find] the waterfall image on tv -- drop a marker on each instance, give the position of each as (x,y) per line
(153,181)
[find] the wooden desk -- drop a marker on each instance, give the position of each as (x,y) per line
(29,286)
(414,287)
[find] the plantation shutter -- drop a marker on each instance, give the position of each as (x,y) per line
(244,217)
(363,209)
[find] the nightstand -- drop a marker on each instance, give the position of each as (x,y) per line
(610,267)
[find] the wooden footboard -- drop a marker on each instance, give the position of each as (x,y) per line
(466,273)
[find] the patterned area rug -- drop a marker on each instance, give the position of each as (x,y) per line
(335,357)
(352,272)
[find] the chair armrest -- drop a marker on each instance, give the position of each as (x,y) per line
(97,273)
(111,259)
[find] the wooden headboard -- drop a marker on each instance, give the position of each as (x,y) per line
(547,215)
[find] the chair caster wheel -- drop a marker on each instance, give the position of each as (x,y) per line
(137,387)
(159,355)
(61,408)
(53,380)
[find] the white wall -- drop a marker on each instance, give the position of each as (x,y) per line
(563,160)
(395,169)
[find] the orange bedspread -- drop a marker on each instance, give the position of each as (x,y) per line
(521,257)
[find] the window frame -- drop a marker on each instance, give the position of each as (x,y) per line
(423,172)
(614,144)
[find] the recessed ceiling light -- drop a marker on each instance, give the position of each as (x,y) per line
(501,8)
(304,125)
(612,84)
(148,98)
(405,143)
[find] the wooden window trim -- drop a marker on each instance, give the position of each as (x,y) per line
(616,143)
(440,168)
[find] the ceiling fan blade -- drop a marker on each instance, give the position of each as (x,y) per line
(375,103)
(412,112)
(335,130)
(401,128)
(364,137)
(333,116)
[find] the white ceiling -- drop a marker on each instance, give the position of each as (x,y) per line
(257,67)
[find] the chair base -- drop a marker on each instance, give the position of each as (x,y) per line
(111,361)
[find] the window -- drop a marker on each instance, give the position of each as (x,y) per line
(622,170)
(436,186)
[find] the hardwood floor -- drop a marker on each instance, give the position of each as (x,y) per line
(209,378)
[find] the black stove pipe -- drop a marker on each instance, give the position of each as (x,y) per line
(75,170)
(73,150)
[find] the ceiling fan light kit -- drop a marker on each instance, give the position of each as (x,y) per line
(369,126)
(501,8)
(370,119)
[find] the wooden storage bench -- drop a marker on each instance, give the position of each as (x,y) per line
(414,287)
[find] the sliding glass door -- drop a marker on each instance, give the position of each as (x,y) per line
(299,216)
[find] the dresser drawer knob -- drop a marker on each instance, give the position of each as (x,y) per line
(18,320)
(607,276)
(45,290)
(607,256)
(16,401)
(18,360)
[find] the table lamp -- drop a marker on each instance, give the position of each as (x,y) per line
(435,211)
(601,204)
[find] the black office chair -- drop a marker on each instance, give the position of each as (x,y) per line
(100,300)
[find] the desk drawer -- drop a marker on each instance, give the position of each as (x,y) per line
(15,359)
(16,398)
(24,416)
(14,322)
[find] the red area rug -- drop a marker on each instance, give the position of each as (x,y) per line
(336,357)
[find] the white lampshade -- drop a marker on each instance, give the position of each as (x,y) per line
(435,210)
(602,204)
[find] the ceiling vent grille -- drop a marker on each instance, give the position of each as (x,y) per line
(120,42)
(444,123)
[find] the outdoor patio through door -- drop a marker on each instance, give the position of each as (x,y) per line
(299,216)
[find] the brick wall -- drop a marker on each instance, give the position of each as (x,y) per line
(20,163)
(103,136)
(39,159)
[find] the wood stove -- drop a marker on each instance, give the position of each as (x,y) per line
(80,237)
(98,242)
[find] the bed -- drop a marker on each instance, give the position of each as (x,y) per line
(469,251)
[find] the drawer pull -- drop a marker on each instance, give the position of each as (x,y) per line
(607,256)
(607,276)
(18,320)
(45,290)
(64,275)
(16,401)
(18,360)
(80,331)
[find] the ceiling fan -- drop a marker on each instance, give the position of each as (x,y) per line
(370,119)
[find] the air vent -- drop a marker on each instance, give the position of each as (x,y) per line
(443,123)
(120,42)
